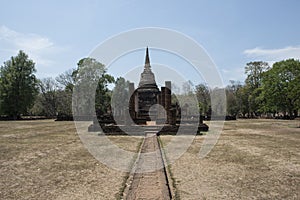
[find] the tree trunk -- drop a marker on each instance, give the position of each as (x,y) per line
(291,113)
(295,113)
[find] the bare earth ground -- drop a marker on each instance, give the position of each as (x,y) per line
(46,160)
(253,159)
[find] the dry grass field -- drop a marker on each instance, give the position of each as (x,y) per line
(253,159)
(46,160)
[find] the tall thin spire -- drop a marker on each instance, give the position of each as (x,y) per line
(147,60)
(147,76)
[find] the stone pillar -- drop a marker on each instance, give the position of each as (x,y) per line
(163,102)
(172,120)
(162,96)
(132,101)
(159,110)
(136,103)
(168,101)
(159,98)
(168,85)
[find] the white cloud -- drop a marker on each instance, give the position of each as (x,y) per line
(274,55)
(39,48)
(31,42)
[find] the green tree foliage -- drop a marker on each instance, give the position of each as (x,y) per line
(55,97)
(232,96)
(242,95)
(203,96)
(64,102)
(254,71)
(18,85)
(267,90)
(91,86)
(120,97)
(281,87)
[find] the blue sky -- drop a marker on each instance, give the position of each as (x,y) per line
(56,34)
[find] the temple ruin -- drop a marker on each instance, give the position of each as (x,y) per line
(149,106)
(143,99)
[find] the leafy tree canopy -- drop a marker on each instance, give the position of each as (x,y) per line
(281,87)
(18,85)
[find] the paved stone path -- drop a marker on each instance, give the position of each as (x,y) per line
(146,183)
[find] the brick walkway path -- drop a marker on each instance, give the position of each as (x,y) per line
(146,183)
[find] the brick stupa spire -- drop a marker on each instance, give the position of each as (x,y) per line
(147,76)
(147,59)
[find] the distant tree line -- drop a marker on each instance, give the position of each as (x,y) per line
(22,93)
(267,91)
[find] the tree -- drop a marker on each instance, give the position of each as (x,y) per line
(187,100)
(46,102)
(91,86)
(175,88)
(64,103)
(203,96)
(187,87)
(242,95)
(64,94)
(48,88)
(120,97)
(281,87)
(55,97)
(254,71)
(188,103)
(67,79)
(233,105)
(218,102)
(18,85)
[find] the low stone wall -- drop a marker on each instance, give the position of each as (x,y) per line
(136,130)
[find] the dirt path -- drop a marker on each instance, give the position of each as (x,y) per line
(146,183)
